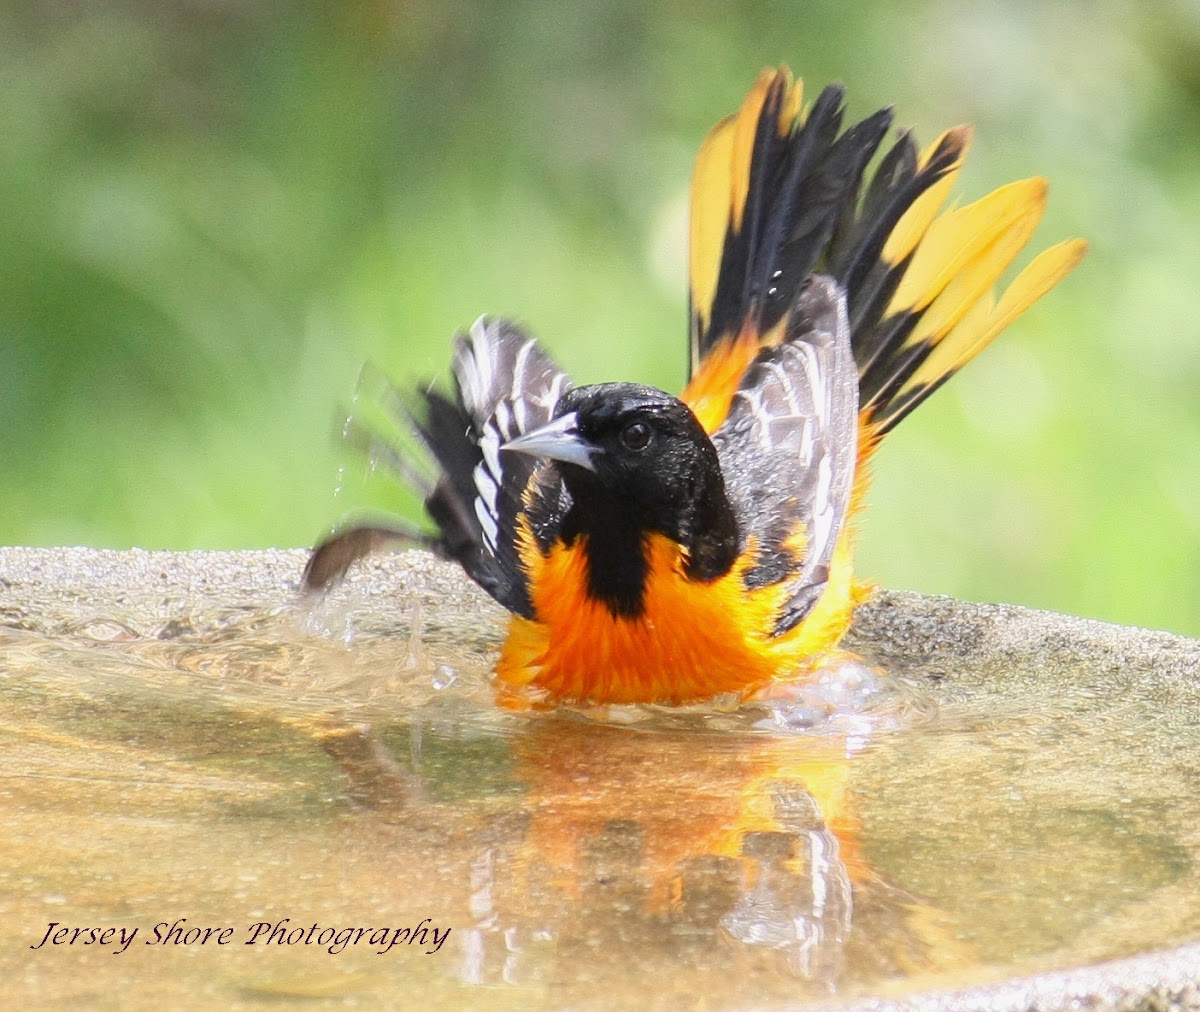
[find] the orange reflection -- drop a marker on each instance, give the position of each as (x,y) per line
(737,852)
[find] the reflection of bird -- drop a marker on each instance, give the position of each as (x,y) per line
(701,840)
(585,848)
(660,549)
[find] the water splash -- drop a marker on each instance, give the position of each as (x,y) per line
(444,677)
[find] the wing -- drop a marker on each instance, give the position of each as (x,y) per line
(787,449)
(504,385)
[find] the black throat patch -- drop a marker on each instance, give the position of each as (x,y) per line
(615,549)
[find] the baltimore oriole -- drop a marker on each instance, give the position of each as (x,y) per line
(662,549)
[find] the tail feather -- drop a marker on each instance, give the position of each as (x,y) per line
(893,223)
(766,210)
(730,203)
(956,264)
(777,196)
(945,308)
(827,200)
(986,318)
(944,160)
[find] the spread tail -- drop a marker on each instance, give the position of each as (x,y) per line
(779,194)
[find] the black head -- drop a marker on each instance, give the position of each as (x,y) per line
(636,458)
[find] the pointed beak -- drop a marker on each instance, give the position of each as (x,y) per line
(559,440)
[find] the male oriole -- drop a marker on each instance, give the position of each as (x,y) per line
(662,549)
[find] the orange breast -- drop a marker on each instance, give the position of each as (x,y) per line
(694,640)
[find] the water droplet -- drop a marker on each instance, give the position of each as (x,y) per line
(846,697)
(109,630)
(444,677)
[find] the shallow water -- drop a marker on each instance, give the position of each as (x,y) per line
(241,765)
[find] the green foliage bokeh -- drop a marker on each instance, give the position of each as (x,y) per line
(214,213)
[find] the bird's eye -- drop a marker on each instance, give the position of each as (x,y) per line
(636,436)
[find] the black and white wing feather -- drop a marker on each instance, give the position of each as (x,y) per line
(788,449)
(506,386)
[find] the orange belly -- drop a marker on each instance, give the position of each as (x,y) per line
(693,641)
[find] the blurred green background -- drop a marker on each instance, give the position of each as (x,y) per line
(214,212)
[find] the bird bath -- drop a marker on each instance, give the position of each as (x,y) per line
(183,749)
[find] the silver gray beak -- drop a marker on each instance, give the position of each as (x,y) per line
(559,440)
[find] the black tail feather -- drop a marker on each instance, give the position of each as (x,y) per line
(826,201)
(812,207)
